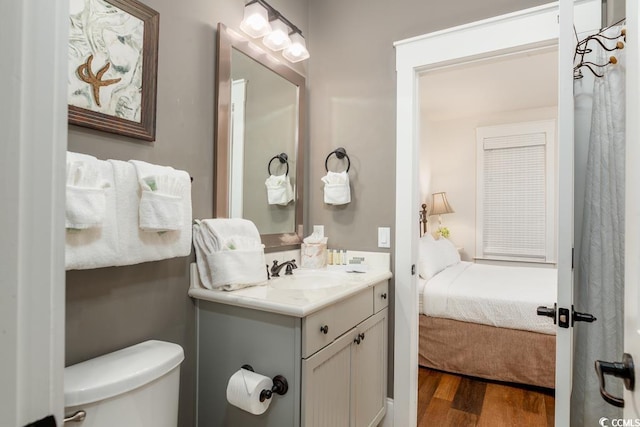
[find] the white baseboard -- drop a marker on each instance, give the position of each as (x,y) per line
(387,421)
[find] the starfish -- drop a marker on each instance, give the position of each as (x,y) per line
(95,80)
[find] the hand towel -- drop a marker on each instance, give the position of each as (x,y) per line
(229,253)
(85,192)
(162,192)
(279,190)
(95,247)
(136,245)
(336,188)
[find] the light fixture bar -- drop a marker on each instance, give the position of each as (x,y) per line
(274,14)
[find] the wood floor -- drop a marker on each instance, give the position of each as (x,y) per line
(452,400)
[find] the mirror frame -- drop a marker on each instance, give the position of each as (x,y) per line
(228,39)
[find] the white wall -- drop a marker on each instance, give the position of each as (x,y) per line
(448,163)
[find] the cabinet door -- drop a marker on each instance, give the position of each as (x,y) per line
(369,371)
(326,385)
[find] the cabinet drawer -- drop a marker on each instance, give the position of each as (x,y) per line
(380,296)
(321,328)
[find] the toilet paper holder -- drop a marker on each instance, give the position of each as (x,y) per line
(280,385)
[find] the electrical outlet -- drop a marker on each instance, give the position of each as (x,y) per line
(384,237)
(319,229)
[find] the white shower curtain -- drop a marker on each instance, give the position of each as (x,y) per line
(600,286)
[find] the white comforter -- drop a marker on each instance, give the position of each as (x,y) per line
(505,297)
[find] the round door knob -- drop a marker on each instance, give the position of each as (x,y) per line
(383,296)
(324,329)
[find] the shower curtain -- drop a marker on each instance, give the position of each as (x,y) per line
(600,278)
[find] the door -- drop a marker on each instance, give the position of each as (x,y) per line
(369,371)
(33,121)
(632,208)
(326,384)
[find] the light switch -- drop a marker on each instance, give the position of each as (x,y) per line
(384,237)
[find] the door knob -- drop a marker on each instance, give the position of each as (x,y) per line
(624,370)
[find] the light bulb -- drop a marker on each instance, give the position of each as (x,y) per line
(278,38)
(297,50)
(256,20)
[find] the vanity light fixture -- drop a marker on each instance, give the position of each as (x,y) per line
(278,38)
(256,20)
(297,50)
(262,20)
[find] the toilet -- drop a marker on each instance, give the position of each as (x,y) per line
(137,386)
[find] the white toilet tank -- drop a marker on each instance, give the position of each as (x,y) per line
(133,387)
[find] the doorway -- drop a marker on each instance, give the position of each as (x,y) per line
(535,28)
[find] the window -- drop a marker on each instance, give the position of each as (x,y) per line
(515,209)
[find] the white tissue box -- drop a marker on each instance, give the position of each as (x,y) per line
(313,255)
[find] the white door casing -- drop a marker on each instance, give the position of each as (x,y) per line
(524,30)
(236,183)
(632,207)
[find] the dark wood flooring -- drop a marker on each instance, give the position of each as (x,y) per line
(457,401)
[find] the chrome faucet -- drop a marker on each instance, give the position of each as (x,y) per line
(288,265)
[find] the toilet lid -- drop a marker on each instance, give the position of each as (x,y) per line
(119,372)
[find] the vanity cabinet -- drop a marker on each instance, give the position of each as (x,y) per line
(344,384)
(334,359)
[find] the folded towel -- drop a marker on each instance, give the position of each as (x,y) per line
(279,190)
(229,253)
(97,246)
(85,192)
(161,197)
(336,188)
(136,245)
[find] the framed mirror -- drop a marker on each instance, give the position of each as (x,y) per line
(259,134)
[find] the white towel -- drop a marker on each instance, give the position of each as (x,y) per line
(85,192)
(336,188)
(97,246)
(229,253)
(136,245)
(162,192)
(279,190)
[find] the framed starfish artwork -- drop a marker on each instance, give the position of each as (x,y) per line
(113,63)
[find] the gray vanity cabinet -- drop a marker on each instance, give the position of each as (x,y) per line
(335,362)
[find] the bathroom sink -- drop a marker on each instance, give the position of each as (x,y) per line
(308,279)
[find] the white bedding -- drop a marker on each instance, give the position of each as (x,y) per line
(505,297)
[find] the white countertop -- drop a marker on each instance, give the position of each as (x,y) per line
(292,301)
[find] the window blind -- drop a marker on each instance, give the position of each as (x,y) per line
(514,205)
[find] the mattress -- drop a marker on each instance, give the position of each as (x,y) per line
(501,296)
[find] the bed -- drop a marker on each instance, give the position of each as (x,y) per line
(480,320)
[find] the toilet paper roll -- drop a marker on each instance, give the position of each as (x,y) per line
(243,391)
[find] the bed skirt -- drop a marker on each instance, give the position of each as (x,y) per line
(489,352)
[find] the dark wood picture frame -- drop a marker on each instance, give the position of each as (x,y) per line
(146,128)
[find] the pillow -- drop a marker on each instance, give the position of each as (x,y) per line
(449,251)
(435,255)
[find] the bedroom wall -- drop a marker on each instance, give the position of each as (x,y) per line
(111,308)
(448,163)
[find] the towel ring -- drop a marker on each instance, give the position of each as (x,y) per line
(284,159)
(340,153)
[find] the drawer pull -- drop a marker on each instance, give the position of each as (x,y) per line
(324,329)
(359,339)
(383,296)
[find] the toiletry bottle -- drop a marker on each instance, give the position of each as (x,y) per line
(344,257)
(330,256)
(336,257)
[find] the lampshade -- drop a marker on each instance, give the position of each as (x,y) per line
(256,20)
(297,50)
(440,205)
(278,38)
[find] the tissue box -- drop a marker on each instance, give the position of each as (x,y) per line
(313,255)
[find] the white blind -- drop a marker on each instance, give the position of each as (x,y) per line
(514,205)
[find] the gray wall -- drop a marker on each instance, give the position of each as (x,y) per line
(111,308)
(353,104)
